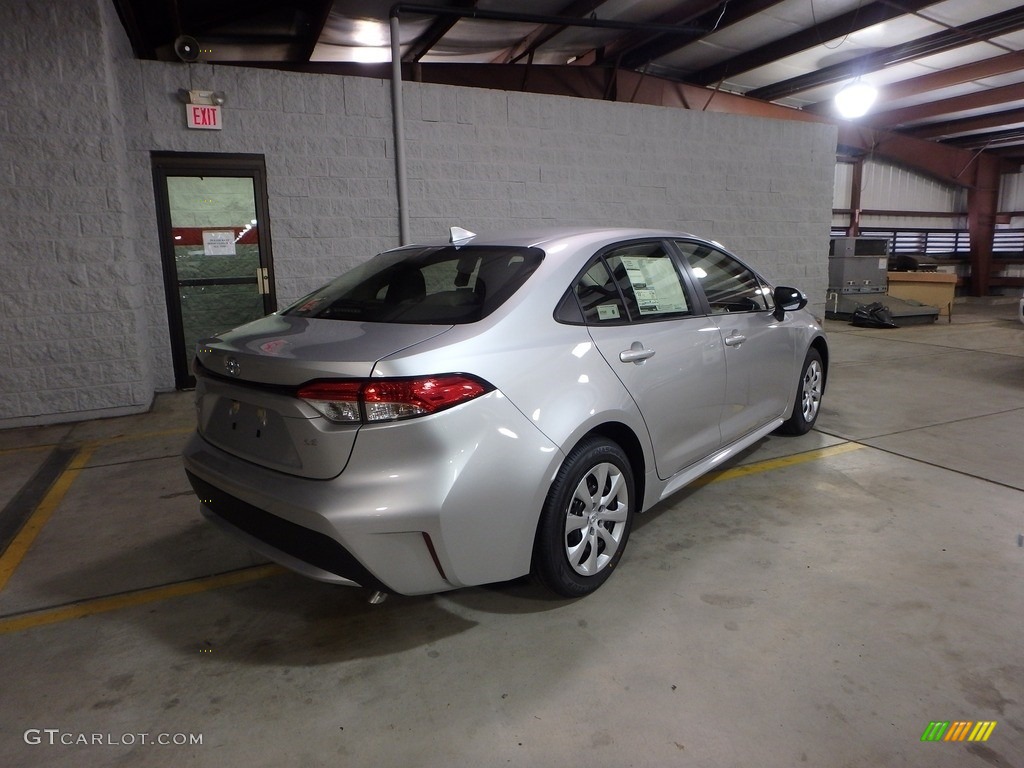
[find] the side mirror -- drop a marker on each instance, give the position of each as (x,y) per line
(788,300)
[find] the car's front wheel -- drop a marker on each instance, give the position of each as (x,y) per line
(586,519)
(808,396)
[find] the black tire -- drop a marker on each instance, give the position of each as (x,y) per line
(576,530)
(809,389)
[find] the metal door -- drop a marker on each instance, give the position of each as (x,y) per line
(215,245)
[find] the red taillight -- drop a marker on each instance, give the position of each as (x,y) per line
(337,400)
(376,400)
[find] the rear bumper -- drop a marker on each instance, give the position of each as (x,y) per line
(423,506)
(301,549)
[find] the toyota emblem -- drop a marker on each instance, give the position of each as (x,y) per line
(231,366)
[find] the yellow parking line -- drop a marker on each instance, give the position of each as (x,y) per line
(96,605)
(770,464)
(12,557)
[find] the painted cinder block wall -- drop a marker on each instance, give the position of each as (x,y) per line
(73,325)
(763,188)
(83,323)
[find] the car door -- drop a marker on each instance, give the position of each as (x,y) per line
(668,355)
(759,351)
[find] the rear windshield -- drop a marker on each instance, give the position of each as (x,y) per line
(440,285)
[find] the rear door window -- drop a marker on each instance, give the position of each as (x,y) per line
(632,283)
(599,296)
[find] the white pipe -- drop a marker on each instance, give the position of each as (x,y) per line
(399,126)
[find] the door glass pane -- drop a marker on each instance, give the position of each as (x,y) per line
(599,298)
(728,285)
(207,310)
(216,253)
(649,281)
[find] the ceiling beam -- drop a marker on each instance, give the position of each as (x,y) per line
(591,22)
(639,52)
(840,26)
(317,22)
(1012,158)
(953,128)
(999,139)
(985,99)
(934,81)
(440,27)
(940,161)
(949,39)
(546,32)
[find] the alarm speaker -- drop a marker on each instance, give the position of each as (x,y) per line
(186,48)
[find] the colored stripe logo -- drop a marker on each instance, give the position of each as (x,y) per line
(958,730)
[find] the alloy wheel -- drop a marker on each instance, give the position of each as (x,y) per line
(595,521)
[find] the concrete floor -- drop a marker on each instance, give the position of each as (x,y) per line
(818,604)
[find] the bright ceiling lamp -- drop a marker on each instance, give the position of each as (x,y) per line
(855,99)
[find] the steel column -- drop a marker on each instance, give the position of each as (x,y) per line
(982,206)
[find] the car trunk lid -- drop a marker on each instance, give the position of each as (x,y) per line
(247,381)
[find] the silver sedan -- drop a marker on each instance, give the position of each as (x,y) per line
(471,411)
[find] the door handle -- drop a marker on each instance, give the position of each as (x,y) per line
(636,354)
(263,280)
(734,339)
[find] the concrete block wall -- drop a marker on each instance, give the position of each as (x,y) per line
(488,159)
(71,306)
(82,309)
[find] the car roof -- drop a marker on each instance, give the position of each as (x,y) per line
(545,237)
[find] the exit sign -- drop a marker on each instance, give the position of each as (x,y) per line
(202,116)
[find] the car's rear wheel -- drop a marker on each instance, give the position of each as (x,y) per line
(808,396)
(586,519)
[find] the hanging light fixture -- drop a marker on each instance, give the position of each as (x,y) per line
(855,99)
